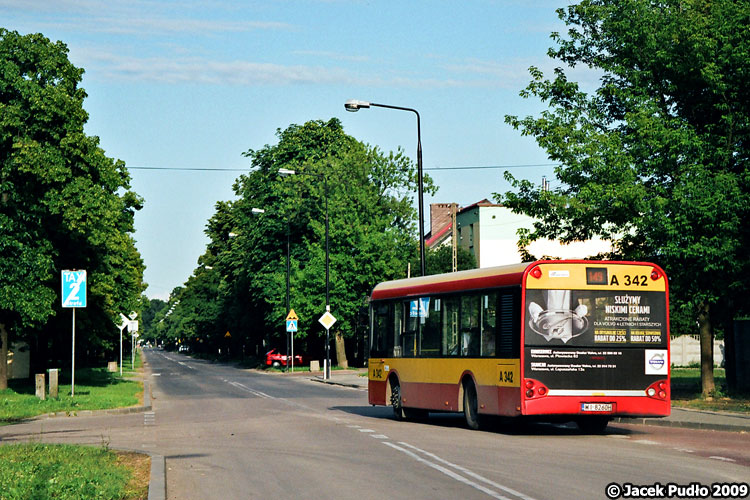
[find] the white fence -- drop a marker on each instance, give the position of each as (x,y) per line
(686,350)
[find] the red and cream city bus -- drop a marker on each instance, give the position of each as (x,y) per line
(582,341)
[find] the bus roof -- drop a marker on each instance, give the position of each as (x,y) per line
(502,276)
(462,280)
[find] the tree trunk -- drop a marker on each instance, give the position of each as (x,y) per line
(707,350)
(341,351)
(3,357)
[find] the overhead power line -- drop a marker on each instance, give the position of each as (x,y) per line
(466,167)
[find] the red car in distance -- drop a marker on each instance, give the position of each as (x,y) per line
(275,358)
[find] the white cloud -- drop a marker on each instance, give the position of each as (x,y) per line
(112,66)
(515,74)
(331,55)
(136,17)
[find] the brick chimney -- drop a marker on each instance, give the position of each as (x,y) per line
(440,216)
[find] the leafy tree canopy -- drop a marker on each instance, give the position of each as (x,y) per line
(63,203)
(656,158)
(371,236)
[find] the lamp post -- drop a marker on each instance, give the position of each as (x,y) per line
(258,211)
(286,172)
(355,105)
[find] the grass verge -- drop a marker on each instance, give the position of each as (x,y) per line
(686,392)
(38,471)
(95,389)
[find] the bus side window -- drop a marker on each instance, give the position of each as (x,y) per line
(429,345)
(397,328)
(489,322)
(380,329)
(449,323)
(470,331)
(409,333)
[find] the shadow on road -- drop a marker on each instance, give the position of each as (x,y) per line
(499,425)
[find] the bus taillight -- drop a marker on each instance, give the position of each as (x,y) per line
(655,274)
(657,390)
(534,388)
(536,272)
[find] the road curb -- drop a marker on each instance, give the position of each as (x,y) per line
(157,486)
(681,424)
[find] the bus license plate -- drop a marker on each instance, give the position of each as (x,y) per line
(605,407)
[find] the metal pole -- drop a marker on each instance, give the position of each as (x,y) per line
(421,202)
(121,329)
(419,180)
(288,334)
(73,364)
(328,304)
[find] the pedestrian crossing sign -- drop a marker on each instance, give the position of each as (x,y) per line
(291,325)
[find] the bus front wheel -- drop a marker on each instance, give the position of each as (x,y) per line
(471,412)
(398,409)
(401,413)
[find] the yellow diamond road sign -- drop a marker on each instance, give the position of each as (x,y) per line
(292,316)
(327,320)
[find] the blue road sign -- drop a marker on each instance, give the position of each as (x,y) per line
(420,309)
(74,288)
(291,325)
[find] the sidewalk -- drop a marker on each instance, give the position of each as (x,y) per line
(680,417)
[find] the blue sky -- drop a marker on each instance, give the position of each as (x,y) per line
(193,84)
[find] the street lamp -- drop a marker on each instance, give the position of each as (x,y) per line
(286,172)
(355,105)
(259,211)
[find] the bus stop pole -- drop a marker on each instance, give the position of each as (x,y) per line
(73,364)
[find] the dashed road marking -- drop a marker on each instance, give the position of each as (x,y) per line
(149,418)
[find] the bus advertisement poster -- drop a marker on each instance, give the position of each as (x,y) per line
(596,318)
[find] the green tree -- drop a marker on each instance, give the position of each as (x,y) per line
(440,260)
(656,158)
(63,205)
(149,310)
(371,234)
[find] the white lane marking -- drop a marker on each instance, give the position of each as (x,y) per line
(468,472)
(447,471)
(685,450)
(156,374)
(366,430)
(723,459)
(645,441)
(186,365)
(251,391)
(260,394)
(379,436)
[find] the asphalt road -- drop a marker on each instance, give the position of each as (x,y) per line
(239,434)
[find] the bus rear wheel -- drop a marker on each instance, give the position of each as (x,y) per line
(471,412)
